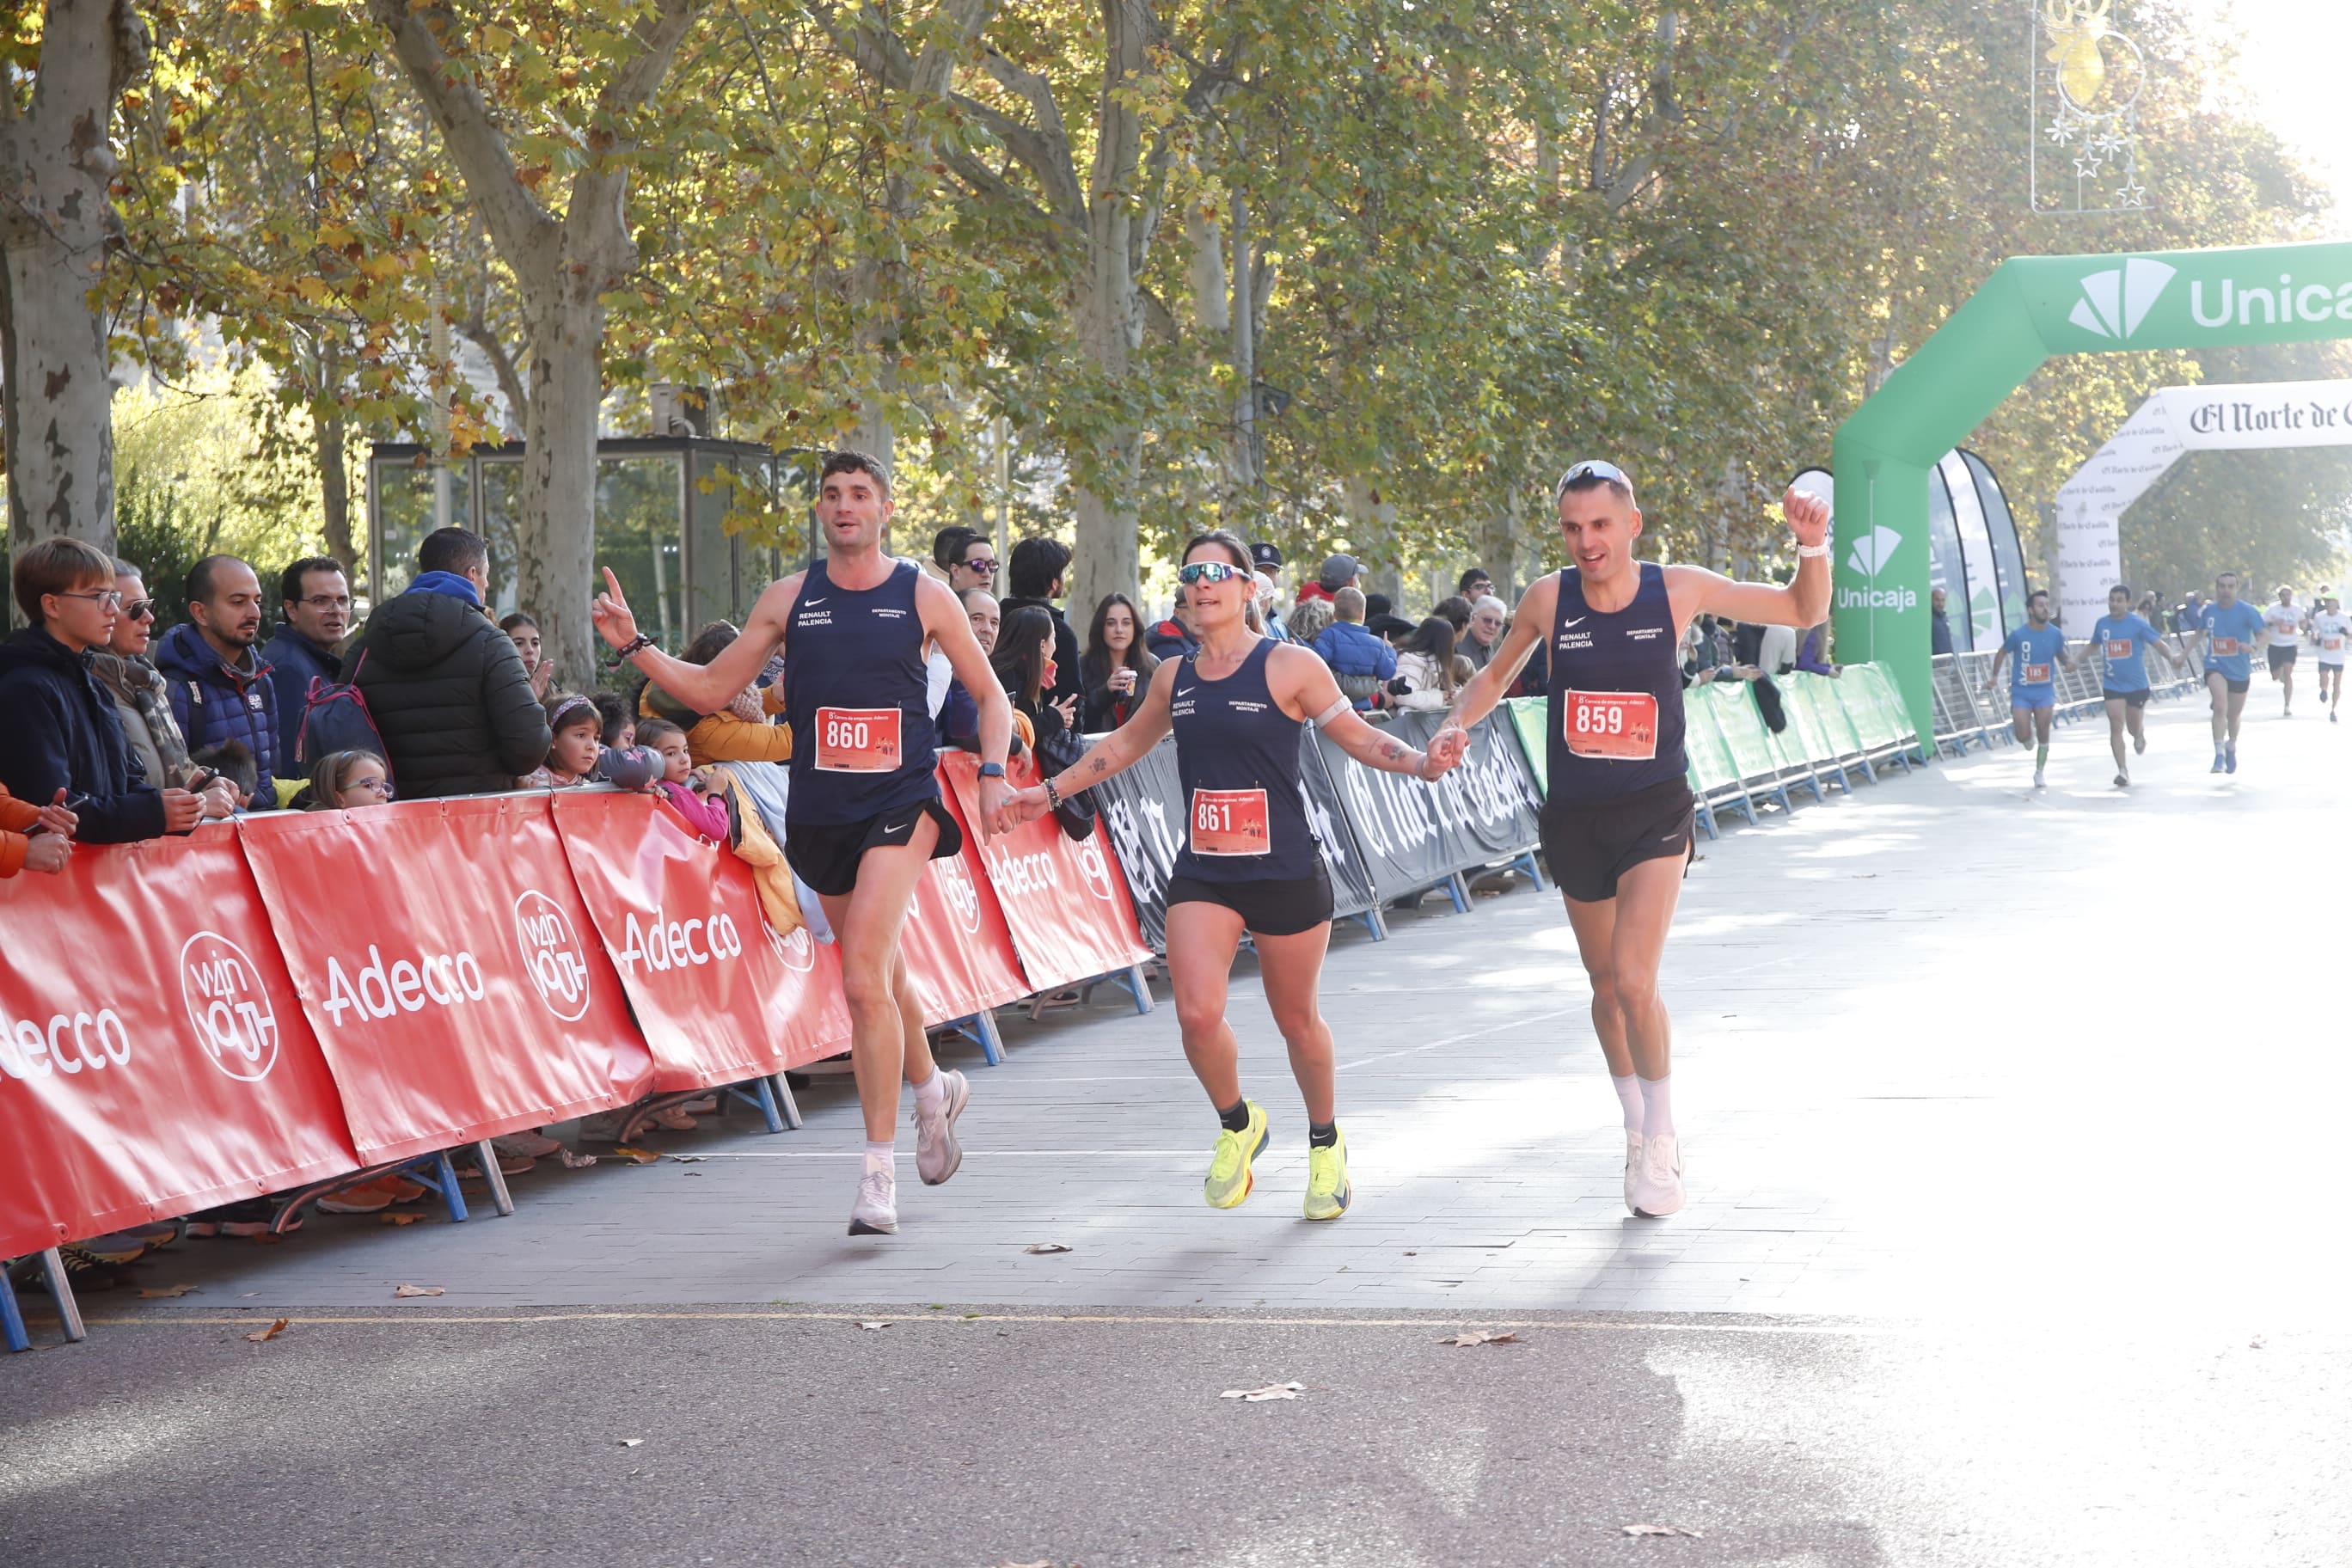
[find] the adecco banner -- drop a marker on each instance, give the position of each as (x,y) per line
(1065,906)
(719,998)
(448,967)
(154,1056)
(958,947)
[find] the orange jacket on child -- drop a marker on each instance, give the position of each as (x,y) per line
(16,816)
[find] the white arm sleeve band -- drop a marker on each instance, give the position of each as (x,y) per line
(1330,715)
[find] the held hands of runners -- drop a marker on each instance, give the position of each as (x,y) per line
(1447,748)
(997,816)
(610,612)
(1809,516)
(1023,806)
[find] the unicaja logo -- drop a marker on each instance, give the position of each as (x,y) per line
(2116,300)
(1869,557)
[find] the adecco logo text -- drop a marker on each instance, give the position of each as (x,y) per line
(378,991)
(234,1023)
(664,944)
(1021,873)
(551,954)
(71,1043)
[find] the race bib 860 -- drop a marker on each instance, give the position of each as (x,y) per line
(858,739)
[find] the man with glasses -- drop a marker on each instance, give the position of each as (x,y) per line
(2229,626)
(314,612)
(1617,816)
(975,567)
(60,742)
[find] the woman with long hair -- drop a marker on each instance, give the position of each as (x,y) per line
(1424,666)
(1024,662)
(1116,668)
(1238,705)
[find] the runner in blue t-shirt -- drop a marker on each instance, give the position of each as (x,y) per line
(2123,640)
(2038,648)
(2231,627)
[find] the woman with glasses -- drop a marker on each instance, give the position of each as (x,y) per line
(1237,706)
(127,674)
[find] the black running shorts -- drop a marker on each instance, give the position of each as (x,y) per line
(2282,657)
(825,855)
(2238,686)
(1588,846)
(1283,908)
(2136,698)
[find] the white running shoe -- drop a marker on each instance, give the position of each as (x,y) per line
(1658,1190)
(937,1153)
(876,1212)
(2037,779)
(1633,1164)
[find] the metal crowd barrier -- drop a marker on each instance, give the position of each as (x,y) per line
(1967,715)
(1837,731)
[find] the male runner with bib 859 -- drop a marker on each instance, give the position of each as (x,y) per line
(1617,817)
(1238,705)
(864,815)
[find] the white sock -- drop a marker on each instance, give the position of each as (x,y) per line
(882,1157)
(1657,1107)
(931,1093)
(1628,1095)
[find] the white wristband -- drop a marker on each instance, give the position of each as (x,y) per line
(1811,552)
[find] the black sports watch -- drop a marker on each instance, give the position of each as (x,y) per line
(992,770)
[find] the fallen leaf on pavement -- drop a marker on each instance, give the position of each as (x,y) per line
(574,1160)
(1041,1562)
(631,1442)
(2254,1344)
(260,1336)
(883,1325)
(407,1290)
(398,1218)
(1468,1337)
(154,1292)
(637,1156)
(1271,1391)
(1661,1530)
(1042,1246)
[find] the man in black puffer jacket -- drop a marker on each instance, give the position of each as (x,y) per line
(447,688)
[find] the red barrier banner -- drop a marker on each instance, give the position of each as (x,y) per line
(154,1058)
(449,968)
(958,948)
(720,997)
(1066,909)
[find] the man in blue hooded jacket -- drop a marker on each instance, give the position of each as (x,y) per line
(213,673)
(445,688)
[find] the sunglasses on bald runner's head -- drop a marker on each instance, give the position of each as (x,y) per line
(1207,572)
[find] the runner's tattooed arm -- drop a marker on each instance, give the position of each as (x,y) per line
(705,688)
(1113,753)
(1532,624)
(1307,690)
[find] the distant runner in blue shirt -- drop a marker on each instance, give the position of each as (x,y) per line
(2038,648)
(2231,627)
(2123,640)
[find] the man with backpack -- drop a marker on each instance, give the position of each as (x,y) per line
(449,694)
(213,673)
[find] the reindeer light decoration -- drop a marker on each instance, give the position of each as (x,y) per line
(2086,84)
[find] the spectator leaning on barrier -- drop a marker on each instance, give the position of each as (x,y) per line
(344,781)
(1023,653)
(33,838)
(958,716)
(59,732)
(314,608)
(448,690)
(738,733)
(214,672)
(1035,577)
(1116,667)
(1362,662)
(1308,620)
(1813,653)
(1425,674)
(1940,623)
(130,677)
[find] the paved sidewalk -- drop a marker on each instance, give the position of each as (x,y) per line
(1948,1049)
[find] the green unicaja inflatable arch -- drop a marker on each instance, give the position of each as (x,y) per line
(2032,309)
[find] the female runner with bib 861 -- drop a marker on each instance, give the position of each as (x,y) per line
(1238,705)
(1617,814)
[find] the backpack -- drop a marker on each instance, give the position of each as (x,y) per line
(335,718)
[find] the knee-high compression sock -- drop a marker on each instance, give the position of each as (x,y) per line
(2041,758)
(1657,1107)
(1628,1095)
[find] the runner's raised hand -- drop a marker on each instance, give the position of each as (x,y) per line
(610,612)
(1808,515)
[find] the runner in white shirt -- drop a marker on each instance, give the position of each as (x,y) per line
(2332,627)
(2284,622)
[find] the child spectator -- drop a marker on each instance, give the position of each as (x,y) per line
(619,726)
(344,781)
(572,755)
(22,848)
(680,785)
(738,733)
(523,632)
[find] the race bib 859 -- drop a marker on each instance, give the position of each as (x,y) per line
(1612,726)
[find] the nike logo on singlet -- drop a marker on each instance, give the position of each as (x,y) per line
(1183,691)
(1578,622)
(811,601)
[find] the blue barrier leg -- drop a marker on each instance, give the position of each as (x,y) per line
(53,1267)
(12,1318)
(785,1102)
(1535,871)
(1458,889)
(1373,923)
(446,1178)
(1139,988)
(762,1099)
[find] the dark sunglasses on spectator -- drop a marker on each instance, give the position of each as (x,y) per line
(985,568)
(1207,572)
(139,609)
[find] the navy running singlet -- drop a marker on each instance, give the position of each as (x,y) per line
(1237,758)
(1616,713)
(855,693)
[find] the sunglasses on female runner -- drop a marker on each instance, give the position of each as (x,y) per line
(1207,572)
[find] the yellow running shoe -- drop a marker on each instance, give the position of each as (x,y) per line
(1229,1168)
(1327,1190)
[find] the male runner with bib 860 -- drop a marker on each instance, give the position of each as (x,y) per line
(864,815)
(1617,816)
